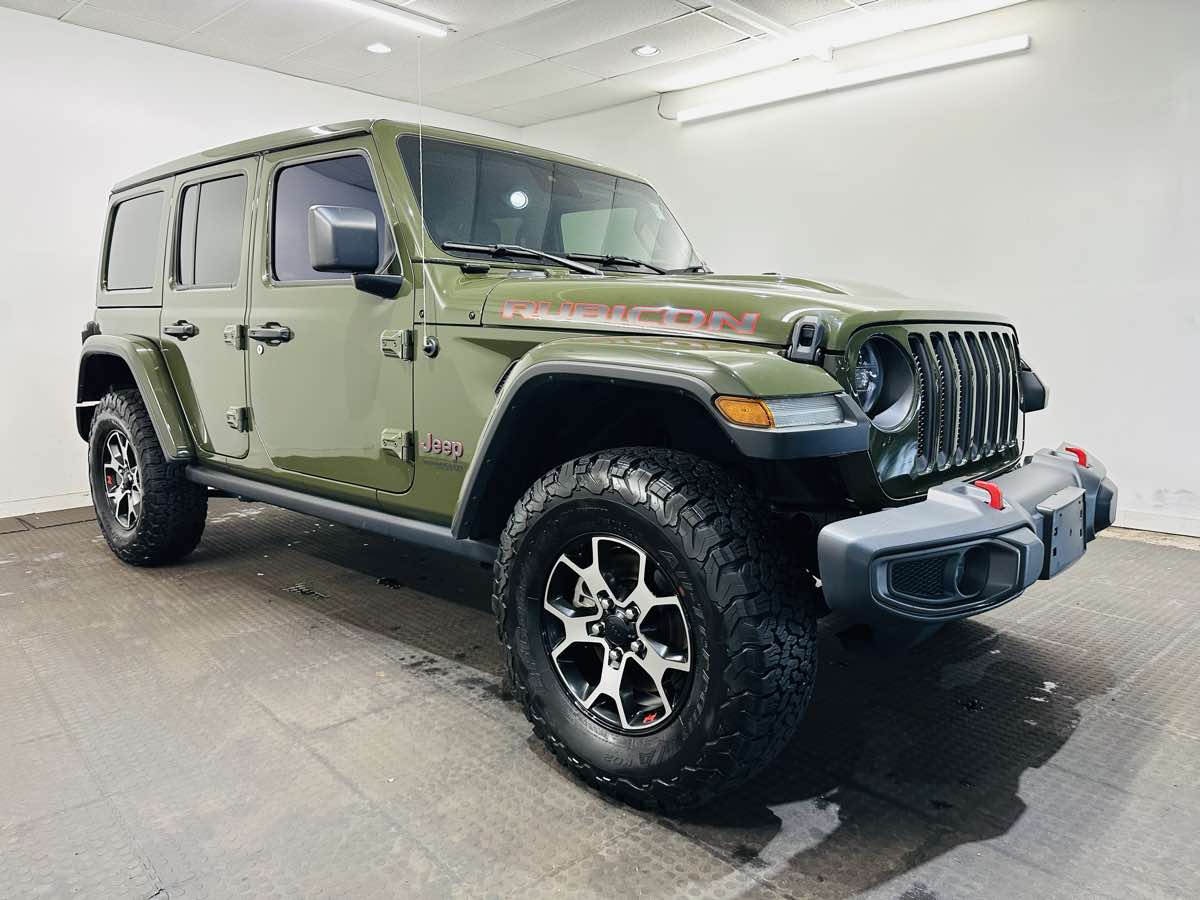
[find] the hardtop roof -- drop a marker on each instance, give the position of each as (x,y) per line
(297,137)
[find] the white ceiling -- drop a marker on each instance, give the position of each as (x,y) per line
(520,62)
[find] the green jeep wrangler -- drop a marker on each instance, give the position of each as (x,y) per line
(518,357)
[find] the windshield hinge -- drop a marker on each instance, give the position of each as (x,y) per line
(235,336)
(807,341)
(397,344)
(397,442)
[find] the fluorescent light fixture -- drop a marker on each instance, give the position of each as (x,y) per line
(871,23)
(848,27)
(646,50)
(837,81)
(378,48)
(380,9)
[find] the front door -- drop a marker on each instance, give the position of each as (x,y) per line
(327,401)
(204,304)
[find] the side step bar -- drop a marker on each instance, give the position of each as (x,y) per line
(425,534)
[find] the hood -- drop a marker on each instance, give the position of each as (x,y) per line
(759,309)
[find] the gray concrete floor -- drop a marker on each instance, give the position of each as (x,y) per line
(304,710)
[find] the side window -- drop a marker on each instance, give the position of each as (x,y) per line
(133,243)
(210,233)
(344,181)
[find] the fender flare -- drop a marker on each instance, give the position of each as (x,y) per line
(150,375)
(665,371)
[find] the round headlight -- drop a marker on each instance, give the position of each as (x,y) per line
(883,382)
(868,378)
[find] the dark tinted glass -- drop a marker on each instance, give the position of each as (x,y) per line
(210,232)
(133,246)
(478,196)
(345,181)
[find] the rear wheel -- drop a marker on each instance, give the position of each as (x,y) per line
(148,512)
(660,640)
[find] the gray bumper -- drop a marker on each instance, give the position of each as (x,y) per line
(953,555)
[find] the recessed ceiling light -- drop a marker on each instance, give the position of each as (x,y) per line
(646,50)
(378,48)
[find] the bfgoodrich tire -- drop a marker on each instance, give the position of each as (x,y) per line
(148,512)
(659,639)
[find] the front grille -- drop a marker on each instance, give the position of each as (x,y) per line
(966,397)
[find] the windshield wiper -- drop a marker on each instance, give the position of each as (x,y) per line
(611,260)
(517,250)
(688,270)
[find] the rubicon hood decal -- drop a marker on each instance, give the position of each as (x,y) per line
(753,309)
(670,317)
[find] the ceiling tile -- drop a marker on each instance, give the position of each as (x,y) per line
(598,95)
(182,14)
(469,60)
(678,39)
(394,83)
(52,8)
(130,26)
(346,49)
(479,15)
(245,51)
(581,23)
(301,67)
(747,55)
(509,87)
(278,29)
(513,117)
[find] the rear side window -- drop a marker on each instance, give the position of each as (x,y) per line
(210,233)
(345,181)
(133,243)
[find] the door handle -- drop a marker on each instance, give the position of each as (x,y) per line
(271,333)
(181,329)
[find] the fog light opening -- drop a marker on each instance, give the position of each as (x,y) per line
(971,573)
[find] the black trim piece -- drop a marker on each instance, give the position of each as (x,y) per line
(848,437)
(425,534)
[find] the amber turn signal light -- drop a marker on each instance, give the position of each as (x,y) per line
(746,411)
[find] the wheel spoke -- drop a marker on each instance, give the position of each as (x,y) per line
(591,576)
(575,627)
(610,686)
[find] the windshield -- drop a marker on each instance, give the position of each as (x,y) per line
(478,196)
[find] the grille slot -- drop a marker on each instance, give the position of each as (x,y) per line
(966,397)
(921,577)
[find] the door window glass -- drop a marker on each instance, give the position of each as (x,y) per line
(133,244)
(345,181)
(210,232)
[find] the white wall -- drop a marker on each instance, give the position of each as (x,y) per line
(81,109)
(1061,187)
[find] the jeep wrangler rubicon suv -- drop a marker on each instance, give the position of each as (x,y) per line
(518,357)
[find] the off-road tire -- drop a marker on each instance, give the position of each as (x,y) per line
(173,510)
(751,609)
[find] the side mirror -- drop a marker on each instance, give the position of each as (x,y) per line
(342,239)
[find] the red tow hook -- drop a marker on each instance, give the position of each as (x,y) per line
(1079,453)
(995,496)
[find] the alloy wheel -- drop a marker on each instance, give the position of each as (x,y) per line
(617,633)
(122,480)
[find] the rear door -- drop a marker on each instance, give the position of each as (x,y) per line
(205,302)
(328,399)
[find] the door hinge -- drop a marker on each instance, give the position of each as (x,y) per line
(238,418)
(396,344)
(397,442)
(235,336)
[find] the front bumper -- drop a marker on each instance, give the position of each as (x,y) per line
(954,555)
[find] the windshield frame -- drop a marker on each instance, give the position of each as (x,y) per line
(428,239)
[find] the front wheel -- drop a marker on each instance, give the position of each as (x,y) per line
(660,640)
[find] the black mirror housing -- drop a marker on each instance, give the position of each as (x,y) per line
(342,239)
